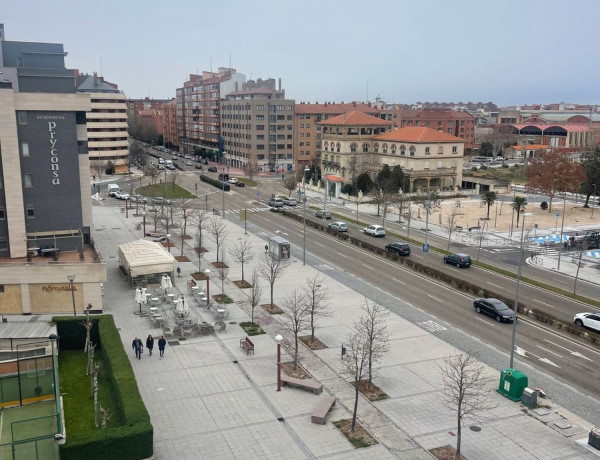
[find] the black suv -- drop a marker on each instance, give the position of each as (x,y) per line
(212,169)
(460,260)
(494,308)
(401,249)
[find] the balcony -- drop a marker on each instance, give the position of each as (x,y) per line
(438,172)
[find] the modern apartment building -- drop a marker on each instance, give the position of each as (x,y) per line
(356,142)
(257,127)
(171,138)
(45,203)
(108,141)
(198,116)
(307,143)
(147,113)
(453,122)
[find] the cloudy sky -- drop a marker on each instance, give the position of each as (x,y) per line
(509,52)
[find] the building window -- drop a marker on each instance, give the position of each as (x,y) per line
(365,148)
(301,144)
(25,149)
(353,148)
(260,127)
(454,149)
(27,181)
(440,149)
(3,247)
(22,116)
(427,151)
(308,144)
(260,146)
(272,118)
(302,125)
(289,117)
(260,137)
(412,150)
(290,107)
(290,146)
(29,212)
(449,130)
(384,148)
(394,149)
(403,149)
(308,125)
(260,117)
(2,214)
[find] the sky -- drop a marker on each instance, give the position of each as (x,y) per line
(511,52)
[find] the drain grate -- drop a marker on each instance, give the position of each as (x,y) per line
(475,428)
(173,343)
(235,361)
(280,419)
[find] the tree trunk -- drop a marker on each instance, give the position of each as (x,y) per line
(458,435)
(587,199)
(518,214)
(271,295)
(357,383)
(252,314)
(242,273)
(183,236)
(295,350)
(312,326)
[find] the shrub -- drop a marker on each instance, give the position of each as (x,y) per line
(505,166)
(474,168)
(350,189)
(214,182)
(544,205)
(484,167)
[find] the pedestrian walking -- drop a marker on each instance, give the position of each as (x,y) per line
(138,347)
(161,346)
(150,344)
(178,272)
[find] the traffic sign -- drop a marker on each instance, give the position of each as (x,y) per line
(257,193)
(425,247)
(557,213)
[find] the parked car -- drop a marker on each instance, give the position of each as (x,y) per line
(375,230)
(212,169)
(198,166)
(589,320)
(188,157)
(138,199)
(240,184)
(460,260)
(322,213)
(398,248)
(161,166)
(494,308)
(276,202)
(161,200)
(339,226)
(290,201)
(232,180)
(189,163)
(121,195)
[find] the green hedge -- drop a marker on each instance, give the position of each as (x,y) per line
(131,441)
(214,182)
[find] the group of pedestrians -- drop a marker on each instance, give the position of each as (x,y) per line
(138,346)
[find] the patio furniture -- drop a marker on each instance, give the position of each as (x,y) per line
(320,412)
(305,384)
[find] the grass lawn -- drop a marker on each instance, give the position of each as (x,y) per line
(78,402)
(172,191)
(512,174)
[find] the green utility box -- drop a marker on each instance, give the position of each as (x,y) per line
(512,384)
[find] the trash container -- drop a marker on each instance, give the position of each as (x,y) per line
(594,438)
(529,398)
(512,384)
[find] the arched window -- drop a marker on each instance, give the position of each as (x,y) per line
(338,146)
(412,150)
(384,148)
(376,147)
(403,149)
(326,146)
(353,147)
(393,149)
(365,147)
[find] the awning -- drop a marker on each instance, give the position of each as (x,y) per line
(144,257)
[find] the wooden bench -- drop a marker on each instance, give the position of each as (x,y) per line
(247,345)
(318,415)
(305,384)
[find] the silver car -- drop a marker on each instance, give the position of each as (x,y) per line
(339,226)
(375,230)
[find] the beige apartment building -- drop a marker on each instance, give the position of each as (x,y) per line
(356,142)
(257,127)
(307,142)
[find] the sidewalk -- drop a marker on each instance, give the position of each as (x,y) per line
(208,399)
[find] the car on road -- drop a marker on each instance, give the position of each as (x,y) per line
(290,201)
(212,169)
(589,320)
(398,248)
(276,202)
(121,195)
(138,199)
(198,166)
(494,308)
(374,230)
(161,200)
(239,183)
(339,226)
(322,213)
(188,157)
(232,180)
(460,260)
(161,166)
(189,163)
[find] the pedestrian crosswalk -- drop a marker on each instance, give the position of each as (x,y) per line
(237,211)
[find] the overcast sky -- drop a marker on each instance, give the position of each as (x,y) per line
(509,52)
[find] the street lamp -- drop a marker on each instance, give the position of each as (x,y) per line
(278,339)
(514,329)
(303,196)
(207,273)
(223,215)
(169,242)
(71,279)
(593,201)
(144,218)
(562,228)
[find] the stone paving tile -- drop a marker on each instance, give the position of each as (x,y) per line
(316,368)
(376,452)
(322,440)
(291,402)
(428,371)
(415,349)
(180,418)
(331,356)
(339,388)
(333,336)
(393,438)
(237,408)
(398,328)
(262,370)
(167,386)
(200,354)
(217,378)
(208,445)
(401,381)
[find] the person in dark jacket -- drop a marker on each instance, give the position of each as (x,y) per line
(150,344)
(161,346)
(138,347)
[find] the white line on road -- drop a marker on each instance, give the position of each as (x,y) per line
(495,285)
(367,267)
(482,320)
(398,281)
(544,303)
(574,353)
(343,255)
(319,244)
(434,298)
(545,349)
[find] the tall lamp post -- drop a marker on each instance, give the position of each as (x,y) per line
(593,201)
(278,339)
(207,273)
(144,219)
(514,328)
(302,196)
(169,242)
(562,228)
(71,279)
(223,215)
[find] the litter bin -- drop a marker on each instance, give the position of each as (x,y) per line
(529,398)
(512,384)
(594,438)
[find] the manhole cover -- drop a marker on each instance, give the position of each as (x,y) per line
(173,343)
(475,428)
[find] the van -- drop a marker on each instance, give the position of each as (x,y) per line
(112,189)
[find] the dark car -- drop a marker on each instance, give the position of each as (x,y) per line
(494,308)
(212,169)
(401,249)
(460,260)
(240,184)
(321,213)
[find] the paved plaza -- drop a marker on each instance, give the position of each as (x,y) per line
(208,399)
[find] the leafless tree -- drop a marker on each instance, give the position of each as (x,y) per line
(316,296)
(184,213)
(104,417)
(251,169)
(199,220)
(290,183)
(464,390)
(255,293)
(296,317)
(154,216)
(94,382)
(222,271)
(242,253)
(355,365)
(270,269)
(400,201)
(373,328)
(379,196)
(217,230)
(451,220)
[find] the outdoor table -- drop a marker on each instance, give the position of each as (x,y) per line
(154,299)
(153,309)
(220,313)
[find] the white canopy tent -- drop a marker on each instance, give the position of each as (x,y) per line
(146,259)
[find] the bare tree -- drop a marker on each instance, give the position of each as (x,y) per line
(218,232)
(154,216)
(354,365)
(464,390)
(451,220)
(184,213)
(242,253)
(373,328)
(255,293)
(199,219)
(316,296)
(296,317)
(379,196)
(222,271)
(270,269)
(290,183)
(400,201)
(94,382)
(252,168)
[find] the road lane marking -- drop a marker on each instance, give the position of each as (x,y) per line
(495,285)
(367,267)
(482,320)
(344,256)
(545,349)
(398,281)
(574,353)
(319,244)
(434,298)
(544,303)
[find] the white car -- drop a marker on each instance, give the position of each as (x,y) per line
(232,180)
(589,320)
(121,195)
(189,163)
(375,230)
(290,201)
